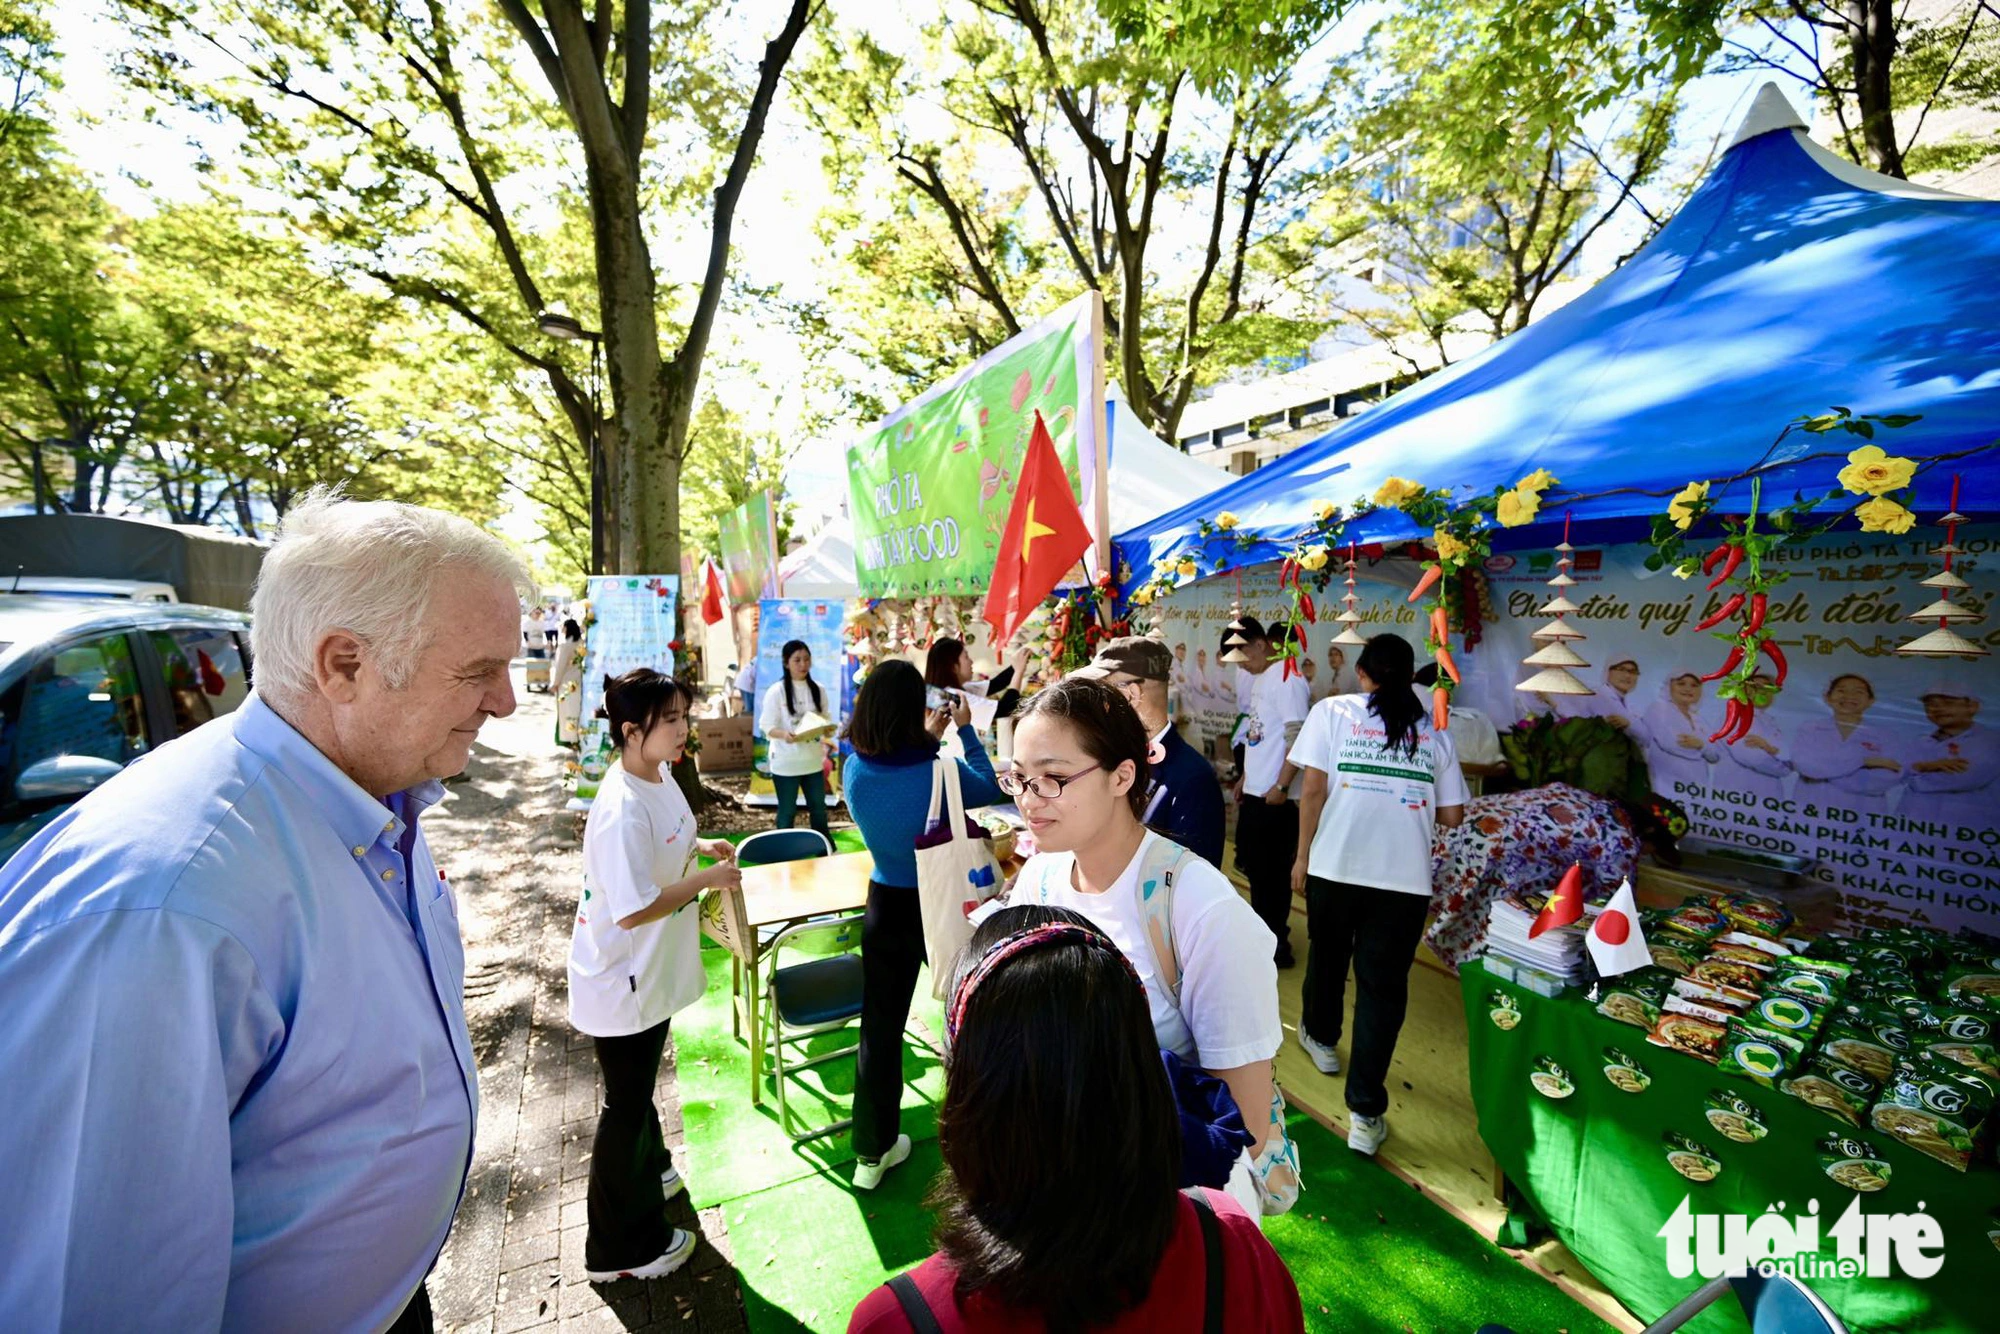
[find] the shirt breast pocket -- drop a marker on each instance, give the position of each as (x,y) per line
(445,943)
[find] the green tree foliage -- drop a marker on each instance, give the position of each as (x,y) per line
(1881,70)
(496,162)
(1067,160)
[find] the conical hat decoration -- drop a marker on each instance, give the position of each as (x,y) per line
(1945,642)
(1556,657)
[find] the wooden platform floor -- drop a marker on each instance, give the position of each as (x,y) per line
(1434,1139)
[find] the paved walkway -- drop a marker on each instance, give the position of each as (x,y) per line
(515,1258)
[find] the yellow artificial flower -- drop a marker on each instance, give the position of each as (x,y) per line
(1327,509)
(1225,521)
(1519,506)
(1392,493)
(1870,472)
(1681,508)
(1143,598)
(1884,516)
(1538,481)
(1186,567)
(1314,559)
(1684,571)
(1449,548)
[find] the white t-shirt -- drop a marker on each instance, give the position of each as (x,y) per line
(746,680)
(1271,703)
(1228,1015)
(1381,805)
(639,839)
(794,759)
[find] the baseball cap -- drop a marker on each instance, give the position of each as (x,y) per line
(1134,655)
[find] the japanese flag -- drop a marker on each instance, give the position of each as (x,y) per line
(1617,944)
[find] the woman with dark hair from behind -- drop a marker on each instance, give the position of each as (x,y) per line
(798,766)
(887,783)
(1364,862)
(634,962)
(1058,1202)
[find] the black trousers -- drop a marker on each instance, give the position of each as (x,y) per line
(416,1317)
(1267,843)
(892,952)
(1376,930)
(813,788)
(628,1220)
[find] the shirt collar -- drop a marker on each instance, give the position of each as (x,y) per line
(357,818)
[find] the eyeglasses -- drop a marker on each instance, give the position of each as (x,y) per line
(1045,786)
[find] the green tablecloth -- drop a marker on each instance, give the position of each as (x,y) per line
(1593,1167)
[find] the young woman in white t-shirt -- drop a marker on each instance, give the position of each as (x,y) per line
(1378,780)
(634,962)
(1079,777)
(798,768)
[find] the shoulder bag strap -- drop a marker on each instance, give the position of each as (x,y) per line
(954,795)
(1211,1244)
(1158,869)
(915,1309)
(937,791)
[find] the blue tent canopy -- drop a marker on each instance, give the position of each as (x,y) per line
(1792,281)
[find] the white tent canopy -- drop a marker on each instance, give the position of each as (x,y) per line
(1148,478)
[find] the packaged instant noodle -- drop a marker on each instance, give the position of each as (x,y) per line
(1690,1034)
(1974,983)
(1716,1012)
(1635,997)
(1782,1012)
(1731,973)
(1757,916)
(1674,952)
(1970,1037)
(1763,949)
(1734,1117)
(1853,1162)
(1833,1088)
(1759,1054)
(1937,1107)
(1865,1038)
(1700,918)
(1809,984)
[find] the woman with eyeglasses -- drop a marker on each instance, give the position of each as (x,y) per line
(1059,1218)
(1080,777)
(887,782)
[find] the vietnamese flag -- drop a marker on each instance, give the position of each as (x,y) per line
(711,594)
(1565,906)
(1044,537)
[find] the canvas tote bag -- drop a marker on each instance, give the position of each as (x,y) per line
(956,873)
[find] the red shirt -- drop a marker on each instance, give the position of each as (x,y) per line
(1259,1296)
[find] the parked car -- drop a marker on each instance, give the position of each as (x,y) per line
(89,686)
(132,590)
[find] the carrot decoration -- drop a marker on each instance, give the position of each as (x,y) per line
(1440,626)
(1440,708)
(1432,573)
(1447,666)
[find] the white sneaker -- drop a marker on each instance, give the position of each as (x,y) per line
(1324,1057)
(1366,1133)
(671,1183)
(867,1176)
(680,1247)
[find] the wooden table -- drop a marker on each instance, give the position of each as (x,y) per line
(776,896)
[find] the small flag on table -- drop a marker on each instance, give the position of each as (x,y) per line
(1564,906)
(1617,942)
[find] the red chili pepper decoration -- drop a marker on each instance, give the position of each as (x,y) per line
(1729,664)
(1729,719)
(1770,649)
(1307,609)
(1708,562)
(1745,717)
(1758,603)
(1723,613)
(1728,566)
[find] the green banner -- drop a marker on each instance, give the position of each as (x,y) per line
(931,484)
(750,549)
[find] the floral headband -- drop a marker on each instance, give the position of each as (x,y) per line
(1007,947)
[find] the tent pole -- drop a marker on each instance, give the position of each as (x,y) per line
(1100,493)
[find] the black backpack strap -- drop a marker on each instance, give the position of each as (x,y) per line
(1211,1244)
(915,1309)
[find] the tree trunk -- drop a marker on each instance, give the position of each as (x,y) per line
(81,482)
(1872,41)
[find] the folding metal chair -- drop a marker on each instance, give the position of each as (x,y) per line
(782,845)
(806,999)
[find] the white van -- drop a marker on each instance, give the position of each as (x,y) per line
(52,586)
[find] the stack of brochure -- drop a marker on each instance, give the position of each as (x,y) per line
(1558,951)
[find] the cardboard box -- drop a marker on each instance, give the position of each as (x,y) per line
(726,744)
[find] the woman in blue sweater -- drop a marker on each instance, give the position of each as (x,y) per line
(887,783)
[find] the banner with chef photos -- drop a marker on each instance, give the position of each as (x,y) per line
(1882,769)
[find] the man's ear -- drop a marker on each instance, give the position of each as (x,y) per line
(337,666)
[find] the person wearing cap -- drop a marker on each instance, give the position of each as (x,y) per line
(1951,769)
(1184,801)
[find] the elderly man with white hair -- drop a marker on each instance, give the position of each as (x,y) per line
(240,1091)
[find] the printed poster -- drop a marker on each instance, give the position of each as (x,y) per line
(634,621)
(817,622)
(749,539)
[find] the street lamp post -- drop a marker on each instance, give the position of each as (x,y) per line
(558,325)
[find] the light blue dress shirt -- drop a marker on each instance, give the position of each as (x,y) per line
(238,1088)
